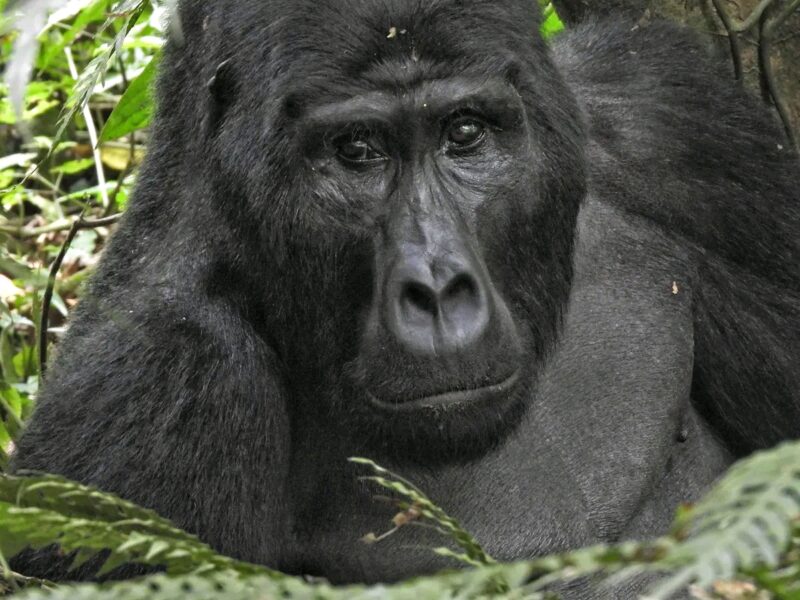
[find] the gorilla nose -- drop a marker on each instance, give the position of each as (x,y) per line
(435,309)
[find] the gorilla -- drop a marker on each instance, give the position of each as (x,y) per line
(555,285)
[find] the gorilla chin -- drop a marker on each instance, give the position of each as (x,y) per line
(449,428)
(409,421)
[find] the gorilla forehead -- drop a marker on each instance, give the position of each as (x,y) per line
(334,39)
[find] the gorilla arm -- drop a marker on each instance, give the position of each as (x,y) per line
(212,450)
(675,141)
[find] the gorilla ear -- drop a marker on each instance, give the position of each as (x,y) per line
(222,90)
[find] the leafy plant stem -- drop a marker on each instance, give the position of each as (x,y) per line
(92,130)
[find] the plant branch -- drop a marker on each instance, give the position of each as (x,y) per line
(60,225)
(77,225)
(787,11)
(87,116)
(48,296)
(733,38)
(765,66)
(753,17)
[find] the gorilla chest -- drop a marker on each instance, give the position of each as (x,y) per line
(607,448)
(610,443)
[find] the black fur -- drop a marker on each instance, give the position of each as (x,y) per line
(628,231)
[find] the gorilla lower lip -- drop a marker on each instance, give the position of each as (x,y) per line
(450,399)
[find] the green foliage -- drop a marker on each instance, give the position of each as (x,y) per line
(551,23)
(36,512)
(135,108)
(83,56)
(747,528)
(465,585)
(746,523)
(14,407)
(130,12)
(418,506)
(40,511)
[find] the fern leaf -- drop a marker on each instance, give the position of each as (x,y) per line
(743,524)
(473,551)
(45,510)
(465,585)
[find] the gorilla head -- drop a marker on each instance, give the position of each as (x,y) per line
(556,287)
(415,197)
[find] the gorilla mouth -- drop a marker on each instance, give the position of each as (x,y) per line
(450,399)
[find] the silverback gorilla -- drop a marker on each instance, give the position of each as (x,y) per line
(558,287)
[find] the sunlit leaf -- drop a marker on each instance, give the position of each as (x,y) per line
(73,166)
(92,11)
(22,159)
(551,24)
(96,69)
(135,108)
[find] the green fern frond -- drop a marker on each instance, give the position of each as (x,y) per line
(742,529)
(743,524)
(161,587)
(45,510)
(474,554)
(464,585)
(748,526)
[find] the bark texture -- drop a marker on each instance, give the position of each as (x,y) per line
(784,43)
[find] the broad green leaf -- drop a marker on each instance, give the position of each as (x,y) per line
(96,69)
(135,108)
(73,166)
(11,401)
(24,361)
(5,439)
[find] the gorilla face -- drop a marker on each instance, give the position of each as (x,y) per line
(418,219)
(438,344)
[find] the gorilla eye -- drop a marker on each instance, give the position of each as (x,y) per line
(357,148)
(465,133)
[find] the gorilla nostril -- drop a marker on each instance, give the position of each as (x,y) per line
(464,309)
(420,298)
(463,288)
